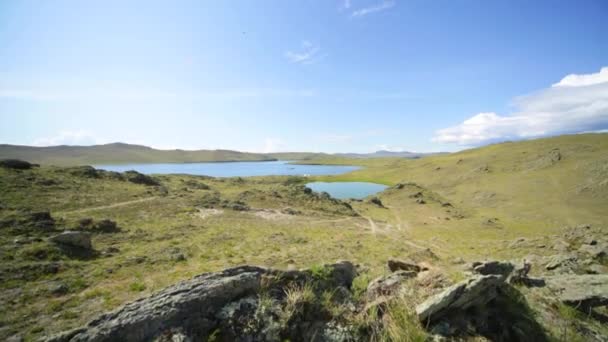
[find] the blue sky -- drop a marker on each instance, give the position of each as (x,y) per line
(318,75)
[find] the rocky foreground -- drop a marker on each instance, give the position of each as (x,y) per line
(251,303)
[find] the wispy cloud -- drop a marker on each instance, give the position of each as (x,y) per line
(346,4)
(308,53)
(577,103)
(383,6)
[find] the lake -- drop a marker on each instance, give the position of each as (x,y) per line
(233,169)
(344,190)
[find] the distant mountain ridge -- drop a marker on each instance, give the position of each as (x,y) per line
(388,154)
(122,153)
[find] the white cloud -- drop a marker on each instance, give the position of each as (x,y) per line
(574,80)
(576,104)
(346,4)
(383,6)
(80,137)
(308,53)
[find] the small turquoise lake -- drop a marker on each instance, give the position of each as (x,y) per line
(233,169)
(344,190)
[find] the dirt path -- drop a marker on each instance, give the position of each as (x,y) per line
(110,206)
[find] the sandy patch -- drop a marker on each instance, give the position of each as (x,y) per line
(204,213)
(273,215)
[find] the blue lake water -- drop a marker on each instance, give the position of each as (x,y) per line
(344,190)
(233,169)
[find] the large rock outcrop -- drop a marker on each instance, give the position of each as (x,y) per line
(197,308)
(475,291)
(580,291)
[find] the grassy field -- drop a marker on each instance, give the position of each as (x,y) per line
(470,205)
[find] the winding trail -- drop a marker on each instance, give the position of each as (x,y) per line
(110,206)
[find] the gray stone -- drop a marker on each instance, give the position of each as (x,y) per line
(580,291)
(477,290)
(503,268)
(190,305)
(596,251)
(73,239)
(401,265)
(225,301)
(384,286)
(561,260)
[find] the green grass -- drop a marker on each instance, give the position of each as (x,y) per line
(531,197)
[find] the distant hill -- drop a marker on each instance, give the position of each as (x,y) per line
(387,154)
(120,153)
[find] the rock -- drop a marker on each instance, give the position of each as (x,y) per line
(477,290)
(561,260)
(376,201)
(580,291)
(590,241)
(561,246)
(594,250)
(385,286)
(16,164)
(73,239)
(190,305)
(420,201)
(85,222)
(400,265)
(106,226)
(139,178)
(520,272)
(223,306)
(58,289)
(503,268)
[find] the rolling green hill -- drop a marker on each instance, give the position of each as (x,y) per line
(119,153)
(540,200)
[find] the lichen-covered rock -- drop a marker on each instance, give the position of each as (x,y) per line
(402,265)
(384,286)
(580,291)
(476,290)
(190,305)
(139,178)
(503,268)
(73,239)
(228,305)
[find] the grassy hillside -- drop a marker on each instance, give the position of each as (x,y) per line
(507,201)
(537,183)
(119,153)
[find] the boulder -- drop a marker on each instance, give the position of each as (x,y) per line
(594,250)
(503,268)
(561,261)
(401,265)
(386,286)
(139,178)
(190,305)
(580,291)
(477,290)
(106,226)
(73,239)
(224,303)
